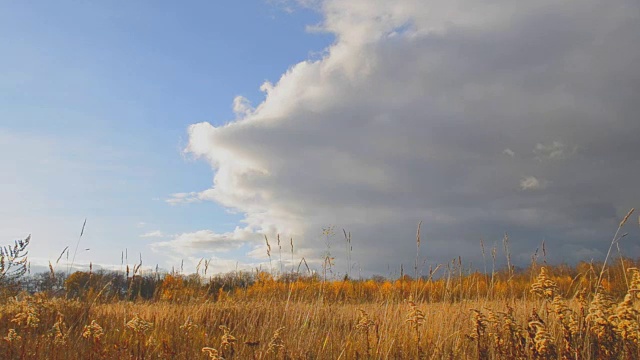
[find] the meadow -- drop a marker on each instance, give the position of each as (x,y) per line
(546,311)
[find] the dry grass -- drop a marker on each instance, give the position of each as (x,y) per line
(545,327)
(586,312)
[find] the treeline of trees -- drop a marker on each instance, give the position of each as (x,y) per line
(447,282)
(444,283)
(105,285)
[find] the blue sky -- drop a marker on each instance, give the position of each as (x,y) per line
(95,101)
(208,125)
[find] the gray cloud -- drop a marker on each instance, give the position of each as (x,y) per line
(407,118)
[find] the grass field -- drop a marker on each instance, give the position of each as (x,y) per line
(586,311)
(261,322)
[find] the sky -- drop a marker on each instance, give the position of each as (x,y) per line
(193,130)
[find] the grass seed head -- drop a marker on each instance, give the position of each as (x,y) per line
(364,322)
(276,344)
(544,286)
(93,331)
(188,325)
(139,325)
(12,336)
(212,353)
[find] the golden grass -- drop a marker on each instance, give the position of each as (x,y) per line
(545,327)
(586,312)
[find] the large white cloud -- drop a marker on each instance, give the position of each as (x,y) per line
(449,112)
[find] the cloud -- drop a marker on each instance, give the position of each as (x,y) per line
(532,183)
(554,151)
(184,198)
(509,152)
(242,107)
(206,241)
(153,234)
(407,117)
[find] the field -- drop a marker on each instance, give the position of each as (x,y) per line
(586,311)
